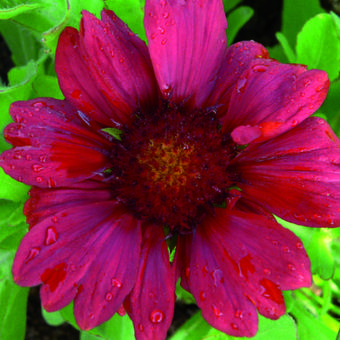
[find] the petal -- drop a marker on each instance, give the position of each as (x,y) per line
(105,71)
(239,259)
(112,274)
(270,98)
(187,44)
(54,145)
(296,175)
(236,61)
(215,285)
(89,252)
(152,299)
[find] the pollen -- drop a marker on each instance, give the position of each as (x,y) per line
(170,167)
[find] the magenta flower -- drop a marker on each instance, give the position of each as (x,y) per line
(212,142)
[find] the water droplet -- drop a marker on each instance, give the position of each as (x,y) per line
(153,36)
(39,104)
(260,68)
(275,243)
(39,179)
(307,82)
(299,245)
(112,53)
(37,168)
(319,89)
(42,158)
(302,94)
(286,249)
(295,122)
(108,297)
(12,166)
(140,328)
(267,271)
(91,315)
(165,15)
(217,275)
(187,272)
(234,326)
(116,283)
(217,312)
(161,30)
(32,254)
(121,311)
(241,85)
(55,219)
(51,236)
(157,316)
(162,2)
(291,267)
(163,42)
(239,314)
(28,157)
(202,296)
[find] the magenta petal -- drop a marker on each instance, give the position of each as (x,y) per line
(296,175)
(53,145)
(153,297)
(112,273)
(215,284)
(187,43)
(273,97)
(235,62)
(106,70)
(239,260)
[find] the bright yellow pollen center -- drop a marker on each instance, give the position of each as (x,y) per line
(167,163)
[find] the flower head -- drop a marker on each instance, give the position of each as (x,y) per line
(185,141)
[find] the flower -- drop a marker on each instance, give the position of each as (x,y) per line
(185,145)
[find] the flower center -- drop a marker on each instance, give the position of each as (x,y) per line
(170,168)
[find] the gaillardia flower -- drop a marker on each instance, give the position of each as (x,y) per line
(185,146)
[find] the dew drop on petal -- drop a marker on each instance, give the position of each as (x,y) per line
(291,267)
(234,326)
(299,245)
(28,157)
(241,85)
(39,179)
(39,104)
(164,41)
(121,311)
(91,315)
(202,296)
(286,249)
(216,311)
(116,283)
(55,219)
(51,236)
(267,271)
(239,314)
(275,243)
(156,316)
(108,297)
(32,254)
(37,167)
(140,328)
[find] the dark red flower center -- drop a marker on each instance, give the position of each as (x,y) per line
(170,167)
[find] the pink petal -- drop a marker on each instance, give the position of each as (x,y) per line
(236,61)
(54,145)
(187,44)
(239,260)
(271,98)
(153,297)
(215,284)
(296,175)
(105,71)
(65,252)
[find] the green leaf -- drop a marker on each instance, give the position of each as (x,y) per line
(286,47)
(318,45)
(131,12)
(88,336)
(10,12)
(113,132)
(53,318)
(22,42)
(196,328)
(117,328)
(295,14)
(230,4)
(13,301)
(276,52)
(237,19)
(331,106)
(12,190)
